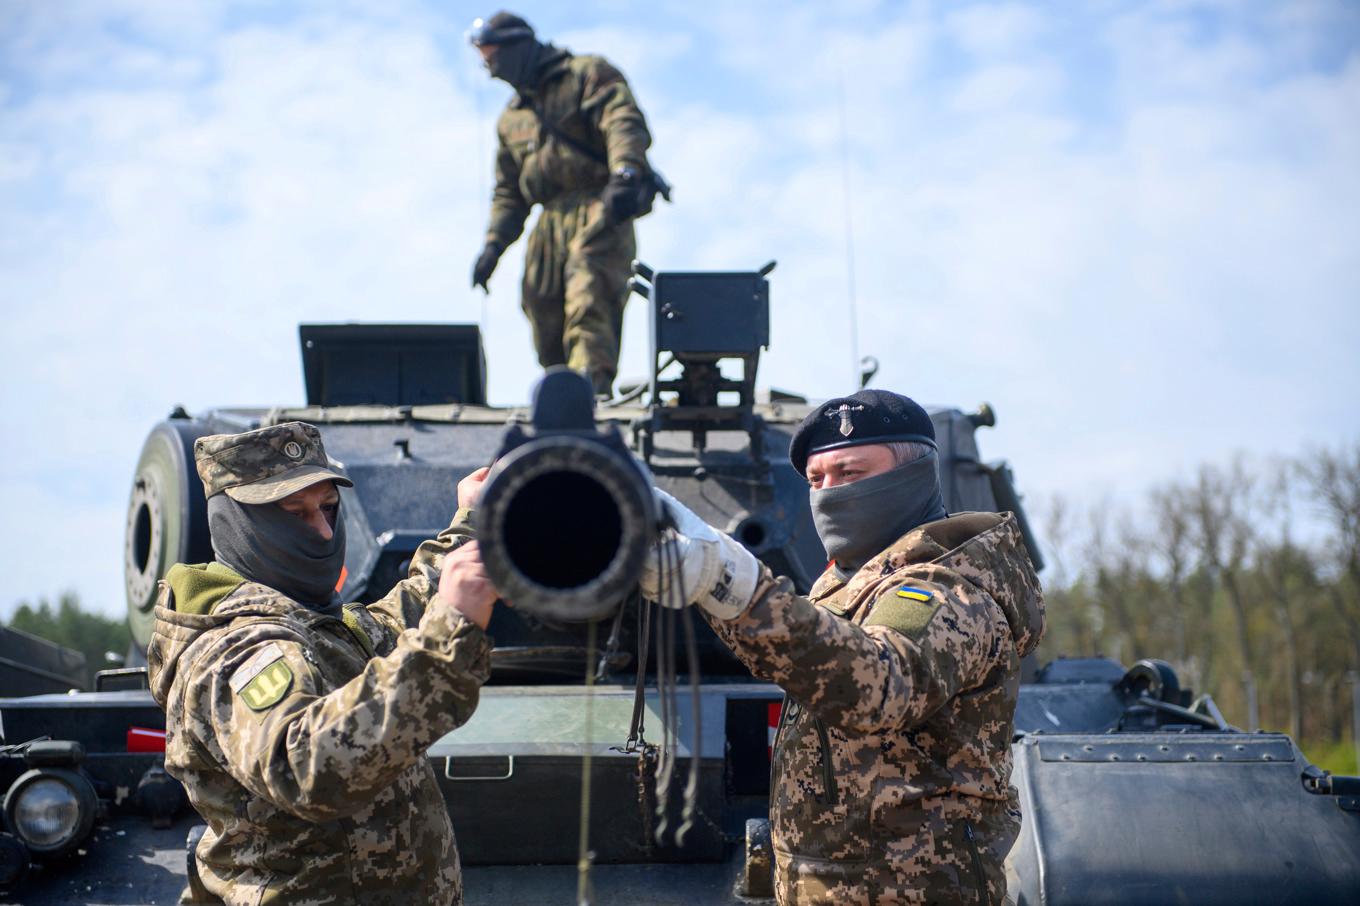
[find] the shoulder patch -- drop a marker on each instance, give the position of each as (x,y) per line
(908,610)
(269,687)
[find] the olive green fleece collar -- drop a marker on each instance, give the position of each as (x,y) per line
(198,587)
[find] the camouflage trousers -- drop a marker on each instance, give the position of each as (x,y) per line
(927,859)
(576,270)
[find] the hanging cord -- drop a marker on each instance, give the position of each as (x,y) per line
(636,725)
(637,742)
(611,647)
(692,784)
(584,857)
(659,761)
(665,688)
(673,584)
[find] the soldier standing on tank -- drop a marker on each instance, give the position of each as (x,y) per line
(572,140)
(299,727)
(891,767)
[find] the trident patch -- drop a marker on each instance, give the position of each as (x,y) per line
(847,427)
(263,680)
(269,687)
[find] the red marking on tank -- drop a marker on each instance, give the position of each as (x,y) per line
(772,718)
(141,739)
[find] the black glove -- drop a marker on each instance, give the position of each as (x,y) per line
(486,263)
(620,196)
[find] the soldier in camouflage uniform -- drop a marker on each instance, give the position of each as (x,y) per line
(890,779)
(299,727)
(573,140)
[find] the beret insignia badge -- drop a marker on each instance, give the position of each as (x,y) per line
(843,412)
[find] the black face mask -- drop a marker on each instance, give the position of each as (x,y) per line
(517,63)
(858,520)
(268,545)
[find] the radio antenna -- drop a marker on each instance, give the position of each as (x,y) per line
(848,206)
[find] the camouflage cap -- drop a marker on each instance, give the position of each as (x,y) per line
(264,465)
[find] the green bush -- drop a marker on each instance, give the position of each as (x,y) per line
(1337,756)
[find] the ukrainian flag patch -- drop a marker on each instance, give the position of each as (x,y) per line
(907,609)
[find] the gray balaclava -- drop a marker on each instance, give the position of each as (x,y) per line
(858,520)
(267,544)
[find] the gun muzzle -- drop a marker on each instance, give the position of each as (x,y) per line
(565,522)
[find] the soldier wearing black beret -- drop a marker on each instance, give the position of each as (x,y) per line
(891,766)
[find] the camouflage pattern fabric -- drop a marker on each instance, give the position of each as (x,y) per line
(264,465)
(891,774)
(577,265)
(301,738)
(576,270)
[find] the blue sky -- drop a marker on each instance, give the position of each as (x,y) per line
(1132,227)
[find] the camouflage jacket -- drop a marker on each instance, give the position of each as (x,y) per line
(890,781)
(585,98)
(301,737)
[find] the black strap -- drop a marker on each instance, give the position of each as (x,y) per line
(561,136)
(658,182)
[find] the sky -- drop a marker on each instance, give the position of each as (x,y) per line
(1133,228)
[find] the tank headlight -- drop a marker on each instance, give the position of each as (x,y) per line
(51,810)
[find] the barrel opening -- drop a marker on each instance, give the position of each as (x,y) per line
(141,537)
(752,533)
(566,551)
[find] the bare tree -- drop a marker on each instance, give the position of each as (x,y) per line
(1172,541)
(1069,631)
(1278,559)
(1334,481)
(1221,506)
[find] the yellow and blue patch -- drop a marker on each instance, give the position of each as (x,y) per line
(908,610)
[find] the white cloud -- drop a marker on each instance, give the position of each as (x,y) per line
(995,30)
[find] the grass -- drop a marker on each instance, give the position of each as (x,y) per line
(1337,756)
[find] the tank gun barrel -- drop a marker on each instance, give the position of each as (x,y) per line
(566,516)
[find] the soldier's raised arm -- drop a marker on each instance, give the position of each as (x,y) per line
(259,702)
(893,671)
(404,606)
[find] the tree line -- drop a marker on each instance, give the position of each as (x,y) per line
(69,624)
(1245,577)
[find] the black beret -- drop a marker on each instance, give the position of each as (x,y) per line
(867,417)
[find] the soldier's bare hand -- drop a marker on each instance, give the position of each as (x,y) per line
(465,586)
(470,488)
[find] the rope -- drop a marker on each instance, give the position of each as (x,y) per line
(659,761)
(584,857)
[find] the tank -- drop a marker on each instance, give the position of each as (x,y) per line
(1134,790)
